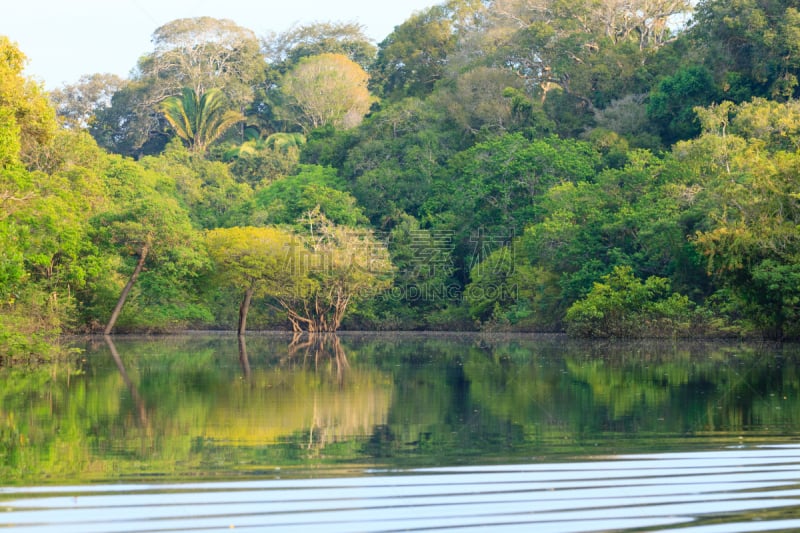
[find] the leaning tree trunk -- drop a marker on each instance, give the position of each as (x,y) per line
(243,309)
(128,286)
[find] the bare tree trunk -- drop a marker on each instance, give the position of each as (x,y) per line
(243,309)
(124,295)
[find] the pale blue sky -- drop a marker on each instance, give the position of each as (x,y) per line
(64,39)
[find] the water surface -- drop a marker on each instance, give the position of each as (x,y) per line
(377,432)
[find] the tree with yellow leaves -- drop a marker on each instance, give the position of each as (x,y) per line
(326,89)
(252,259)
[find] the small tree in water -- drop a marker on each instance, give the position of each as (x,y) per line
(333,267)
(252,259)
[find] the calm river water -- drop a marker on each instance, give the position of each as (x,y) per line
(397,432)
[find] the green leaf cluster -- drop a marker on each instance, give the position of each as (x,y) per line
(620,305)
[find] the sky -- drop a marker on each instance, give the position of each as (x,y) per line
(65,39)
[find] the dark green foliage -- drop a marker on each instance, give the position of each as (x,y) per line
(751,45)
(774,298)
(397,159)
(414,56)
(495,185)
(261,161)
(128,127)
(625,217)
(623,306)
(673,101)
(289,199)
(208,190)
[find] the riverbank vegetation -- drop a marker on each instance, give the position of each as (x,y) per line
(605,169)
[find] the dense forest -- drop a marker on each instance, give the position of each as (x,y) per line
(603,168)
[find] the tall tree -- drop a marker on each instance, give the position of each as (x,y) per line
(579,54)
(495,186)
(132,124)
(752,46)
(76,104)
(285,49)
(203,53)
(746,163)
(481,101)
(199,53)
(672,102)
(414,56)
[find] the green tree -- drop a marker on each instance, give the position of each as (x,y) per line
(285,49)
(424,287)
(286,200)
(495,184)
(581,54)
(481,101)
(751,45)
(393,161)
(77,104)
(199,119)
(208,189)
(47,257)
(672,102)
(622,305)
(255,260)
(203,53)
(150,227)
(25,112)
(640,216)
(131,125)
(198,53)
(495,187)
(414,56)
(745,164)
(260,161)
(314,276)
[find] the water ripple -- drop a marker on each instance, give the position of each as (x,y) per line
(738,490)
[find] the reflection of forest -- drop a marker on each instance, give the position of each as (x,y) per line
(186,405)
(644,387)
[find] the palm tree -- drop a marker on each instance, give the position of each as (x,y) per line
(285,141)
(199,120)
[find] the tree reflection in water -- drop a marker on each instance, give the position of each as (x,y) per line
(244,362)
(294,391)
(137,399)
(319,348)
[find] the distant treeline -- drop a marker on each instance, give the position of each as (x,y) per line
(602,168)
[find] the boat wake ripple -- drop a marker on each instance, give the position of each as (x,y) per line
(730,491)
